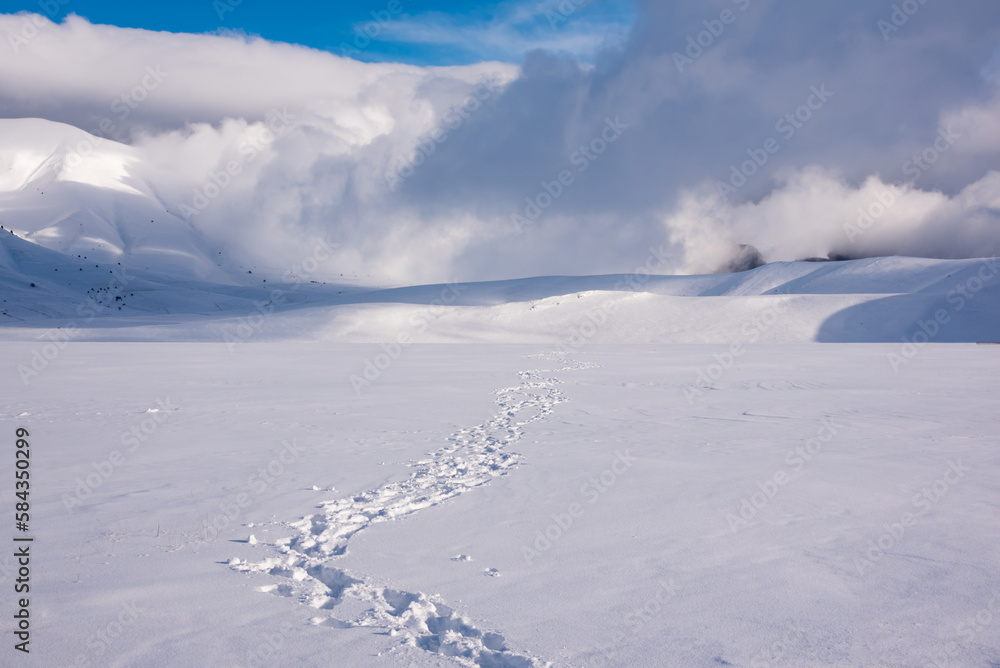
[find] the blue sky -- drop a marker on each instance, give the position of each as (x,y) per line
(424,32)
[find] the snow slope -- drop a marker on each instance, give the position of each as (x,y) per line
(877,299)
(75,193)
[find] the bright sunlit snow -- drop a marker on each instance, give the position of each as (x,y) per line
(806,506)
(521,334)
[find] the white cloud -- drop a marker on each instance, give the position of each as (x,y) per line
(561,26)
(353,125)
(815,212)
(324,174)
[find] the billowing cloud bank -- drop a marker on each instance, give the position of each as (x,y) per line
(852,128)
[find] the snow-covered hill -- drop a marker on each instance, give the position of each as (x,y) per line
(82,196)
(877,299)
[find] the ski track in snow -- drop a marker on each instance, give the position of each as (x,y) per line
(472,458)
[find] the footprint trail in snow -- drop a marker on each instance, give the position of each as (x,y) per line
(472,458)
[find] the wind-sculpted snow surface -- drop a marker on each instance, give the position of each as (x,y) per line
(472,458)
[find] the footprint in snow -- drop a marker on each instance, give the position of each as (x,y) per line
(472,458)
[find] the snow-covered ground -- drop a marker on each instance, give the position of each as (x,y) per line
(237,466)
(623,505)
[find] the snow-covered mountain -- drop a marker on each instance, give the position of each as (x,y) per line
(85,197)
